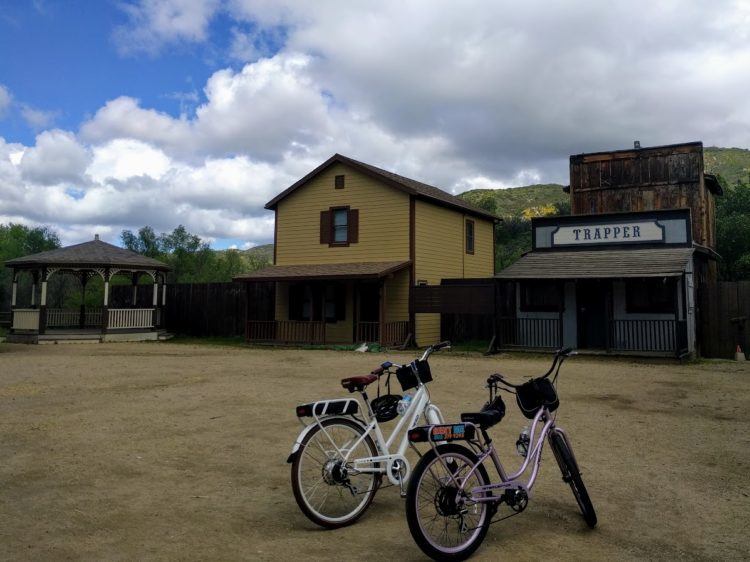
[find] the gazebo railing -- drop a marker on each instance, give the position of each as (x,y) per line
(71,318)
(26,319)
(123,318)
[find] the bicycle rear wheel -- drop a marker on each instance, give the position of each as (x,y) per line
(444,521)
(572,475)
(328,490)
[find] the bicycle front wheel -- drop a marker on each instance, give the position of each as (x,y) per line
(327,488)
(572,475)
(446,522)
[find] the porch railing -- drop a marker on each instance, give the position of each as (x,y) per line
(539,333)
(123,318)
(662,336)
(394,333)
(367,331)
(26,319)
(285,331)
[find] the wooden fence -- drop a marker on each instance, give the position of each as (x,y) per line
(216,309)
(724,319)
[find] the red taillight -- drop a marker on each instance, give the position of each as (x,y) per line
(303,411)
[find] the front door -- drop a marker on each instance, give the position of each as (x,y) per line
(369,302)
(591,299)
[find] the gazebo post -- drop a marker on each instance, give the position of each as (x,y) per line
(105,307)
(43,302)
(134,278)
(155,301)
(163,298)
(13,295)
(82,319)
(35,279)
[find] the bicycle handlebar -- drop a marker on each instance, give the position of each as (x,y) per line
(560,356)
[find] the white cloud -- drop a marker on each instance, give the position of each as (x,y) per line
(57,157)
(463,95)
(36,118)
(155,23)
(5,100)
(121,159)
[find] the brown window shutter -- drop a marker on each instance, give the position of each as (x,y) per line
(353,226)
(325,227)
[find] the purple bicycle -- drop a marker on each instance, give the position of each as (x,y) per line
(450,501)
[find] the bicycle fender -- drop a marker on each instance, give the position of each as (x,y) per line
(309,428)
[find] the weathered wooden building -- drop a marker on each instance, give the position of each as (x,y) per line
(627,271)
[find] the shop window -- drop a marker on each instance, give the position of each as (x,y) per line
(653,295)
(539,296)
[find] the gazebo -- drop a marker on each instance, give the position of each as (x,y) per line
(40,324)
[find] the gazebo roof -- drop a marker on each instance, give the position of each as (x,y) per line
(95,253)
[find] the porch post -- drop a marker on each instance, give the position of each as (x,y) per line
(43,302)
(677,287)
(608,312)
(561,309)
(323,310)
(105,305)
(381,305)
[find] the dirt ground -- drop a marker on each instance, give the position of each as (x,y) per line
(174,451)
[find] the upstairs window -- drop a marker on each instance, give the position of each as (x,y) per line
(338,182)
(469,236)
(340,225)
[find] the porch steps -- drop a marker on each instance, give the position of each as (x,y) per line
(164,335)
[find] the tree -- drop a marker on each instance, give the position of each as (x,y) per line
(733,230)
(17,240)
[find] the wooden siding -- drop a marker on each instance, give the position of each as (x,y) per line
(397,297)
(440,253)
(669,177)
(383,220)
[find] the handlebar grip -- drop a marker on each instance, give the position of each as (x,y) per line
(441,345)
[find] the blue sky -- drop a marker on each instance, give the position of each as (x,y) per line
(120,114)
(61,57)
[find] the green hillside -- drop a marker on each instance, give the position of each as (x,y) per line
(262,253)
(733,164)
(512,202)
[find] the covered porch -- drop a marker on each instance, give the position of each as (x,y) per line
(33,321)
(333,304)
(600,301)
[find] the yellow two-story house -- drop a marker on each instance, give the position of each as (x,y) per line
(350,243)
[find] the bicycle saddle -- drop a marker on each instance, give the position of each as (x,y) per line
(489,415)
(354,384)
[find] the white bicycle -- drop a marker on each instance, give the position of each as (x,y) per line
(339,459)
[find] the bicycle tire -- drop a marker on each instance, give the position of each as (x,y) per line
(572,475)
(412,508)
(299,496)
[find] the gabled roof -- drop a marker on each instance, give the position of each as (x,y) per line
(407,185)
(324,271)
(94,253)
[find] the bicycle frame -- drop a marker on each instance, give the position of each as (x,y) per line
(512,481)
(384,462)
